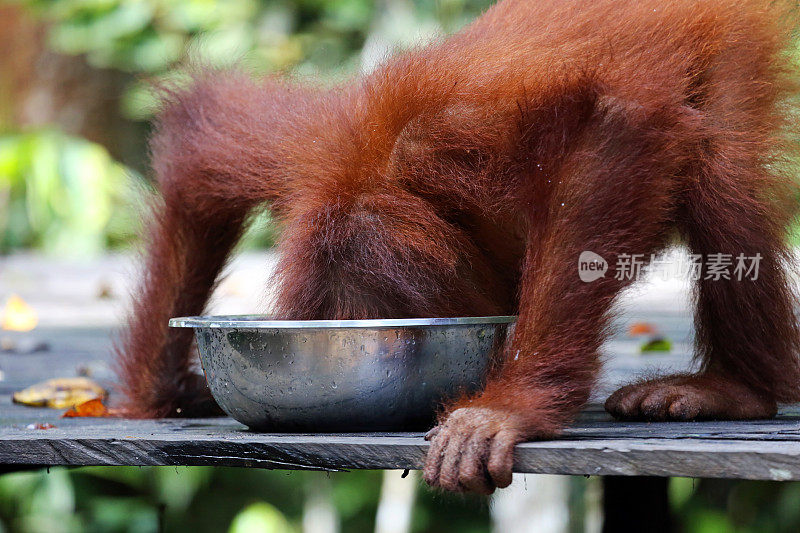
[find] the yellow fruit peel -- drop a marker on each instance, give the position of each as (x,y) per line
(60,393)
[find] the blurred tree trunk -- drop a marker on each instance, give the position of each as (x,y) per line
(39,87)
(534,503)
(396,504)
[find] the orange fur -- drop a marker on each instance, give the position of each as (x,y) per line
(466,177)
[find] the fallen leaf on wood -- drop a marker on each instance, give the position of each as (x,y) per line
(60,393)
(641,328)
(105,291)
(91,408)
(40,425)
(22,346)
(18,315)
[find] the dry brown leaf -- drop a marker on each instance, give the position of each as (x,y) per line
(60,393)
(91,408)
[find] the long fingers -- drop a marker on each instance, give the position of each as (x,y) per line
(449,471)
(433,460)
(473,475)
(470,459)
(501,458)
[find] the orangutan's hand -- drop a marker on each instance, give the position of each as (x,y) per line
(473,450)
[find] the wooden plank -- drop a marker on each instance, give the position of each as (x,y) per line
(653,457)
(595,445)
(747,450)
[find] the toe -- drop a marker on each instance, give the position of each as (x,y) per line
(630,404)
(625,402)
(683,408)
(613,401)
(655,406)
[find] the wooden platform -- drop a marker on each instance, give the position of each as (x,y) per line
(596,445)
(752,450)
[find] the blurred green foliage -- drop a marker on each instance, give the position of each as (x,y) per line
(63,194)
(319,38)
(719,505)
(326,40)
(260,516)
(148,499)
(140,500)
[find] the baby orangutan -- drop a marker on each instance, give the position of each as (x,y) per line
(467,177)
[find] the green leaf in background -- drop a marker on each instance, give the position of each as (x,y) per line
(260,517)
(64,194)
(41,502)
(657,344)
(321,38)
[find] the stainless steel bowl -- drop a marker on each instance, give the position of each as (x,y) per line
(343,375)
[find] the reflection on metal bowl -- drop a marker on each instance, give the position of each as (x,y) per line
(348,375)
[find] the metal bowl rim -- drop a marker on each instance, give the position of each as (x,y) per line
(264,322)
